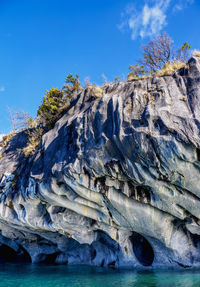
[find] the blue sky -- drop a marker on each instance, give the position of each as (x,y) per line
(42,41)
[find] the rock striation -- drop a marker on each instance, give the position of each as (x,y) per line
(115,183)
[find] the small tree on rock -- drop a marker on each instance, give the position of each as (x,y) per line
(158,54)
(184,53)
(72,85)
(20,120)
(137,70)
(56,102)
(51,107)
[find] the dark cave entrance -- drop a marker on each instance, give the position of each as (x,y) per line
(48,258)
(7,254)
(142,249)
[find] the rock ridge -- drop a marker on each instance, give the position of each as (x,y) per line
(116,181)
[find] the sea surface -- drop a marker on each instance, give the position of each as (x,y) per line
(77,276)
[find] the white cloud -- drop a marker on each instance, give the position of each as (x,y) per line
(150,19)
(181,4)
(153,19)
(2,89)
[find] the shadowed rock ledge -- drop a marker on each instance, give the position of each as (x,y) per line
(115,183)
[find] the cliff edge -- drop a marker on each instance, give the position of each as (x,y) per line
(116,181)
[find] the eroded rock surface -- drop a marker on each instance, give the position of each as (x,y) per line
(116,182)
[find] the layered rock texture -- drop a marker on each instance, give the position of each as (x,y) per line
(115,183)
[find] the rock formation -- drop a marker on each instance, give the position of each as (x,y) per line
(115,183)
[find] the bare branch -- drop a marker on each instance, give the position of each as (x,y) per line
(19,119)
(157,52)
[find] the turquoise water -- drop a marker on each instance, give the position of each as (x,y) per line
(78,276)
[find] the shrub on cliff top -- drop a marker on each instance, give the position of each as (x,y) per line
(157,55)
(51,107)
(6,139)
(72,84)
(169,69)
(56,102)
(34,140)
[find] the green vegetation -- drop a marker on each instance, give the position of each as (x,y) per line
(94,91)
(136,72)
(159,58)
(6,139)
(54,105)
(183,53)
(34,141)
(168,69)
(116,80)
(72,85)
(56,102)
(51,108)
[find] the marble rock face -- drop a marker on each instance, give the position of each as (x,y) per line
(115,183)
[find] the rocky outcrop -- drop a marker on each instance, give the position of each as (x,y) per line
(115,183)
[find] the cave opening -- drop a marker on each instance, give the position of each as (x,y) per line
(142,249)
(7,254)
(50,258)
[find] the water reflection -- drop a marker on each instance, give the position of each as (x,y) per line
(78,276)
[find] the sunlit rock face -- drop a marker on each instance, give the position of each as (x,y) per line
(116,182)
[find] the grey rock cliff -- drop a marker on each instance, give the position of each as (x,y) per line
(116,182)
